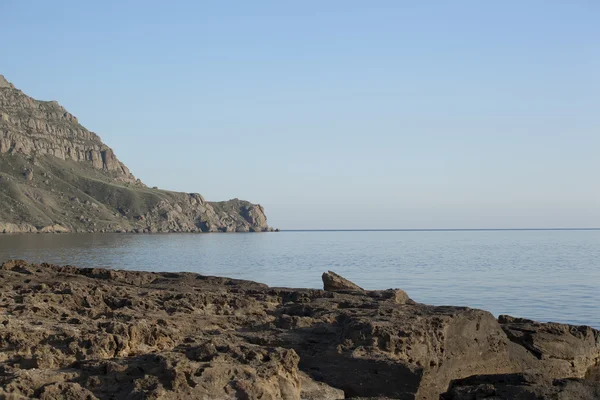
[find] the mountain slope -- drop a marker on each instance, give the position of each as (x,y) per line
(56,176)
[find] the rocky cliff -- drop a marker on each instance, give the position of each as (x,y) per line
(57,176)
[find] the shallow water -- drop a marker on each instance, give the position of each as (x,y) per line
(543,275)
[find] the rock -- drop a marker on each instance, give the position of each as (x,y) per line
(521,387)
(334,282)
(56,228)
(16,228)
(255,215)
(371,348)
(235,372)
(400,296)
(46,128)
(558,350)
(312,390)
(397,296)
(69,332)
(20,266)
(134,340)
(65,391)
(593,373)
(4,83)
(44,134)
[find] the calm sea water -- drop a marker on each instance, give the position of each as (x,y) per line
(543,275)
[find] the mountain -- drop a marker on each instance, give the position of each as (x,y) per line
(57,176)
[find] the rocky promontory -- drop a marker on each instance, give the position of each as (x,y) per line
(92,333)
(57,176)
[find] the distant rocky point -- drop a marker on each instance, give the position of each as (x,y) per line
(56,176)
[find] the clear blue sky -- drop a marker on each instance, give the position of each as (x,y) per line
(335,114)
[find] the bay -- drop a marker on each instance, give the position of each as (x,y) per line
(546,275)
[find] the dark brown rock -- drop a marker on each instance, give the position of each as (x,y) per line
(68,332)
(4,83)
(334,282)
(377,348)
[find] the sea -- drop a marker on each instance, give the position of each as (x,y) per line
(545,275)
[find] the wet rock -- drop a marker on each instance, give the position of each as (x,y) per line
(558,350)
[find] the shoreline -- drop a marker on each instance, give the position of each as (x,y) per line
(442,230)
(132,233)
(108,333)
(271,229)
(44,231)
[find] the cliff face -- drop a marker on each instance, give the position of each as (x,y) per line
(33,127)
(56,176)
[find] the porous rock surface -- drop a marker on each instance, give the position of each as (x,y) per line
(522,386)
(57,176)
(93,333)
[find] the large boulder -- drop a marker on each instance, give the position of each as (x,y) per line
(553,349)
(368,345)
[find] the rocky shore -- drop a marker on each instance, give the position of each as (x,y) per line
(91,333)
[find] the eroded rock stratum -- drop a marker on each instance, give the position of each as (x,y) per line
(57,176)
(90,333)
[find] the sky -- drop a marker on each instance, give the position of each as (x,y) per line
(335,114)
